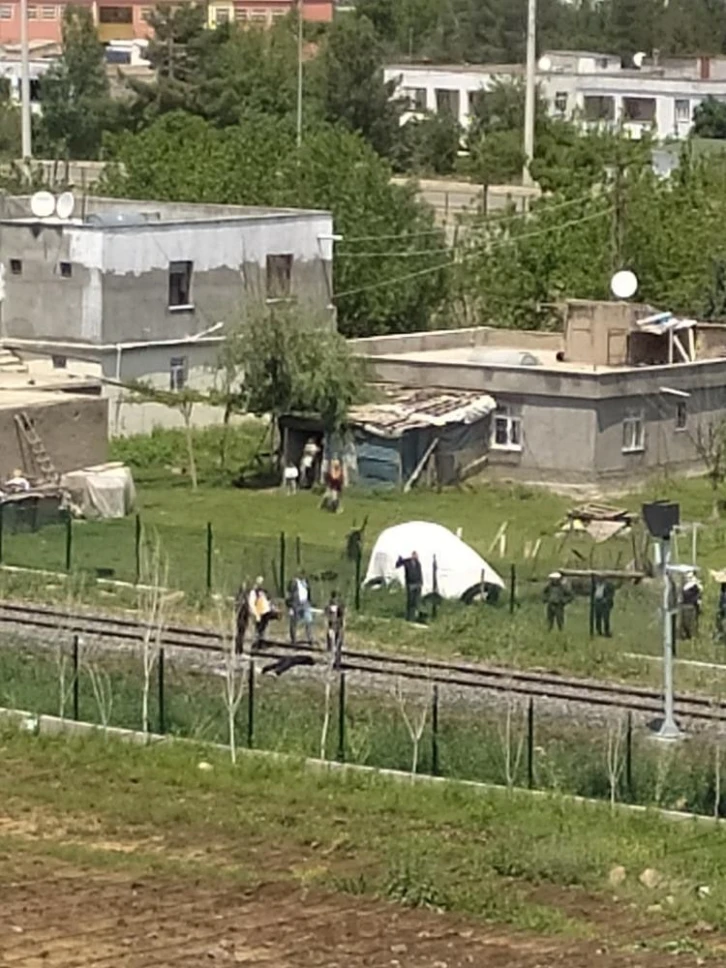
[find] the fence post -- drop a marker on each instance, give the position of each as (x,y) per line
(69,540)
(435,731)
(250,704)
(210,548)
(298,551)
(592,605)
(512,588)
(76,678)
(137,549)
(160,683)
(435,588)
(282,562)
(358,563)
(341,718)
(530,744)
(629,758)
(2,516)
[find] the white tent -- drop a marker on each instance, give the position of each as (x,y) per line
(458,567)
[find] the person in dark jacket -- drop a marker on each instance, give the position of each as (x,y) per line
(413,576)
(691,598)
(335,618)
(556,596)
(721,614)
(603,601)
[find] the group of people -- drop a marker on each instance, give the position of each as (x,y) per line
(257,607)
(306,475)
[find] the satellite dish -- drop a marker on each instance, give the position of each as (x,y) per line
(64,205)
(639,58)
(545,63)
(624,284)
(42,204)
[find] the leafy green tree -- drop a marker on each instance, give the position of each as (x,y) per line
(428,145)
(709,119)
(75,92)
(497,157)
(391,267)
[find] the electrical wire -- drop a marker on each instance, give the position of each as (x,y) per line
(510,240)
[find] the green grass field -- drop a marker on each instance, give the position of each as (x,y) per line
(246,528)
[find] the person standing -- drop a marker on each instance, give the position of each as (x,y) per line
(721,614)
(691,598)
(299,607)
(307,464)
(603,601)
(335,617)
(334,486)
(413,577)
(260,609)
(556,596)
(290,475)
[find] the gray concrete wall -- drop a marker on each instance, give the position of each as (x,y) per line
(73,429)
(446,339)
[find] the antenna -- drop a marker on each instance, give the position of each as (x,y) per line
(624,284)
(64,205)
(545,63)
(42,204)
(638,59)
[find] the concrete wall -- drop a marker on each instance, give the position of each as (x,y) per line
(73,429)
(446,339)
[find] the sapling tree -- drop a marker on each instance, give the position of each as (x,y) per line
(512,738)
(153,602)
(415,721)
(235,666)
(616,732)
(101,682)
(329,677)
(60,637)
(710,443)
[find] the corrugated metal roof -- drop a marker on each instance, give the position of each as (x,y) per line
(408,409)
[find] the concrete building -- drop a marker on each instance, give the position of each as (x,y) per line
(143,290)
(592,88)
(117,20)
(620,394)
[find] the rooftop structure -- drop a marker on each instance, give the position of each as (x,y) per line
(592,88)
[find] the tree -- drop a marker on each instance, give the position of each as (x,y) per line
(75,92)
(428,145)
(355,93)
(153,600)
(709,119)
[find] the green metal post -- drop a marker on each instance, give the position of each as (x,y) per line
(160,683)
(250,705)
(629,759)
(530,744)
(76,678)
(282,562)
(210,549)
(358,564)
(137,549)
(298,551)
(69,540)
(435,731)
(592,605)
(341,718)
(435,588)
(512,588)
(2,516)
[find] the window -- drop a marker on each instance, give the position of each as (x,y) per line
(115,15)
(32,13)
(633,433)
(681,415)
(258,16)
(240,14)
(6,12)
(640,110)
(178,372)
(447,102)
(416,98)
(507,430)
(279,276)
(116,56)
(66,270)
(222,15)
(560,103)
(180,285)
(48,13)
(16,267)
(599,107)
(683,110)
(59,362)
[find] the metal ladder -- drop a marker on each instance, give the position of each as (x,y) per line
(41,458)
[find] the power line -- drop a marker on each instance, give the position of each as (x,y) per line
(510,240)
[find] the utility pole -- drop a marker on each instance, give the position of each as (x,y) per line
(669,729)
(27,146)
(300,4)
(529,102)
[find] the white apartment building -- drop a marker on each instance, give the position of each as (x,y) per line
(593,88)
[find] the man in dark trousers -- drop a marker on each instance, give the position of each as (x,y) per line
(413,576)
(557,596)
(335,618)
(603,601)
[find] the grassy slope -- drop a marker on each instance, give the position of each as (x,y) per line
(536,863)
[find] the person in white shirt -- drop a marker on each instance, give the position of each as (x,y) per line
(307,464)
(17,482)
(291,477)
(299,607)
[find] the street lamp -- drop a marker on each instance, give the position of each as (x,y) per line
(661,518)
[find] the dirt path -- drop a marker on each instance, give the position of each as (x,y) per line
(59,916)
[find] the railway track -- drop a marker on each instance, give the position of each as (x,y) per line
(462,675)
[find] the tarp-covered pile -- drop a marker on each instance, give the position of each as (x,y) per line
(103,491)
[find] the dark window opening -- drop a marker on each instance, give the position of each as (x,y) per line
(681,415)
(599,107)
(447,102)
(16,267)
(279,276)
(66,270)
(59,362)
(180,283)
(639,109)
(115,15)
(177,372)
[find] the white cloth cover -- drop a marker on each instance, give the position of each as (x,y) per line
(458,567)
(104,491)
